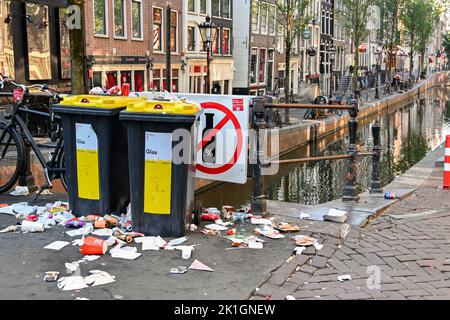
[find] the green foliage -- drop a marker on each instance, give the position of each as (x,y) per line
(446,43)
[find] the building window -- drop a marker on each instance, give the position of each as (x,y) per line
(191,38)
(38,39)
(272,19)
(119,18)
(157,29)
(203,36)
(263,17)
(157,80)
(226,41)
(6,47)
(173,31)
(216,42)
(111,79)
(100,17)
(136,19)
(253,65)
(226,9)
(262,65)
(97,79)
(65,45)
(215,8)
(191,5)
(138,81)
(226,87)
(203,6)
(255,16)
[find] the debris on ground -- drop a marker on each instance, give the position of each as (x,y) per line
(98,278)
(9,229)
(287,227)
(216,227)
(20,191)
(178,270)
(269,232)
(335,215)
(343,278)
(288,297)
(94,246)
(128,253)
(304,241)
(200,266)
(51,276)
(57,245)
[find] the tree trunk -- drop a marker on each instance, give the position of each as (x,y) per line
(78,72)
(355,71)
(411,63)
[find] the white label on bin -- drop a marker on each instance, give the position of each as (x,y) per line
(158,173)
(87,162)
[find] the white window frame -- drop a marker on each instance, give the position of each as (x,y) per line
(195,7)
(163,40)
(257,17)
(256,65)
(99,35)
(195,38)
(141,26)
(124,8)
(274,21)
(220,9)
(229,41)
(229,10)
(266,31)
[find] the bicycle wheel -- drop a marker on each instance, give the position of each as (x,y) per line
(62,164)
(11,157)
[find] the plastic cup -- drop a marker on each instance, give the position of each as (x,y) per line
(31,226)
(94,246)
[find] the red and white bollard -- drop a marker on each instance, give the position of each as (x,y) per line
(447,163)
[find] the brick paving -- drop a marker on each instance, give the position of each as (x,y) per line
(410,255)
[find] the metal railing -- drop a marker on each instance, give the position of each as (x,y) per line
(261,104)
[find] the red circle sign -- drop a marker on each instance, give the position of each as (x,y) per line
(229,116)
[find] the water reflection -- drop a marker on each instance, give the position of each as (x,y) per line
(407,134)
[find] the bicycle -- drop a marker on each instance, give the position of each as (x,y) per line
(14,135)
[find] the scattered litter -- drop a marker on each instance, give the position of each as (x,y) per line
(176,242)
(344,278)
(98,278)
(390,196)
(178,270)
(304,241)
(223,224)
(103,232)
(197,265)
(57,245)
(74,223)
(9,229)
(80,232)
(304,215)
(227,212)
(94,246)
(90,258)
(255,245)
(20,191)
(72,283)
(186,251)
(231,232)
(79,298)
(287,227)
(51,276)
(7,210)
(239,217)
(46,192)
(29,226)
(288,297)
(269,233)
(128,253)
(193,227)
(78,242)
(216,227)
(336,215)
(261,221)
(72,267)
(152,243)
(299,250)
(318,246)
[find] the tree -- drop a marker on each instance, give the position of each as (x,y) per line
(419,18)
(353,17)
(446,44)
(389,31)
(293,19)
(76,34)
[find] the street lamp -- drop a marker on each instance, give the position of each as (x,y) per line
(332,55)
(378,53)
(210,31)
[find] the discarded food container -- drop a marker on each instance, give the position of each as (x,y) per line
(162,190)
(389,196)
(95,146)
(209,216)
(94,246)
(74,223)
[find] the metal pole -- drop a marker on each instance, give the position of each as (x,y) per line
(377,82)
(258,203)
(168,49)
(208,71)
(350,191)
(376,157)
(26,178)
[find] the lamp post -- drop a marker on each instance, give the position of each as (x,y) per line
(208,38)
(377,53)
(332,53)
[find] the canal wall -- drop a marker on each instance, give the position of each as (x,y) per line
(299,135)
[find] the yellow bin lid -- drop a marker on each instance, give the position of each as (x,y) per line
(164,107)
(91,101)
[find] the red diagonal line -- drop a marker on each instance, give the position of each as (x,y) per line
(212,133)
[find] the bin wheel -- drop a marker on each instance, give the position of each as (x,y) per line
(198,209)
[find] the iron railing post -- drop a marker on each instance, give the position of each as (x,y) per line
(376,183)
(350,191)
(258,202)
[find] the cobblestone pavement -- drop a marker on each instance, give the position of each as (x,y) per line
(408,247)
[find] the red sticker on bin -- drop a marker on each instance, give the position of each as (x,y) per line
(238,104)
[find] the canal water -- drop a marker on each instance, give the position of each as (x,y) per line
(407,133)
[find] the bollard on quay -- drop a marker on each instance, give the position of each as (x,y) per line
(258,201)
(350,190)
(376,183)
